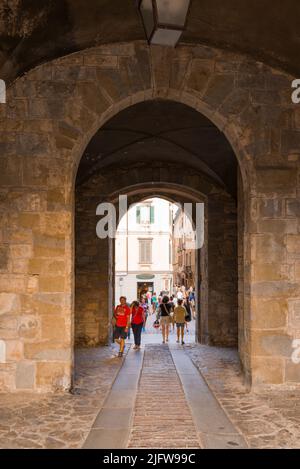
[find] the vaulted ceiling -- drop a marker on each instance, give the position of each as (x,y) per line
(158,132)
(35,31)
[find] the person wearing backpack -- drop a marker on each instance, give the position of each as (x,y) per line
(180,315)
(188,318)
(165,309)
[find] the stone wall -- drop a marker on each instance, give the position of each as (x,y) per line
(222,271)
(91,275)
(52,113)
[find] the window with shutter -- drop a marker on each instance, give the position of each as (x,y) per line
(151,214)
(138,215)
(145,251)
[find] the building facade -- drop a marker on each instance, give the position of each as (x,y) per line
(144,250)
(184,254)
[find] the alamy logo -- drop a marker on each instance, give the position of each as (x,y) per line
(2,92)
(296,353)
(296,93)
(107,226)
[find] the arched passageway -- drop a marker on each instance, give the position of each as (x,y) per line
(166,149)
(43,141)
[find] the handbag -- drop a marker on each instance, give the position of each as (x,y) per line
(113,321)
(156,324)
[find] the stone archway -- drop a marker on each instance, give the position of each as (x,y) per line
(138,173)
(51,115)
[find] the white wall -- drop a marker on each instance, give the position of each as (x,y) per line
(127,248)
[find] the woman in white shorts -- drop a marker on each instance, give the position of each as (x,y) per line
(165,308)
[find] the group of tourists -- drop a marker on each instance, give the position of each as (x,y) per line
(176,310)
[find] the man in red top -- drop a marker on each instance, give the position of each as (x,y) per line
(122,316)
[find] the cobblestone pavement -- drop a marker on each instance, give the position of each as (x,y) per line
(267,419)
(62,420)
(162,418)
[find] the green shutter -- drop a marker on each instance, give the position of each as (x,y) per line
(151,214)
(138,215)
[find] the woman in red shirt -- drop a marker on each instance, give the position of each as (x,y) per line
(122,318)
(137,321)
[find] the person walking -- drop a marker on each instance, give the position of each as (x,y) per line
(154,302)
(187,306)
(192,302)
(137,322)
(180,314)
(165,308)
(172,318)
(145,307)
(121,319)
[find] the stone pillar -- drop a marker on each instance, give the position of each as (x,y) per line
(92,263)
(35,267)
(275,287)
(222,271)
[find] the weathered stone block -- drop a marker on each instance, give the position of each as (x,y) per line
(9,303)
(51,284)
(114,84)
(267,272)
(267,371)
(290,141)
(294,314)
(3,257)
(28,327)
(10,170)
(25,375)
(47,350)
(268,248)
(292,372)
(30,144)
(20,251)
(12,283)
(54,328)
(235,102)
(19,266)
(52,375)
(276,181)
(293,244)
(269,314)
(271,208)
(93,98)
(50,89)
(14,350)
(278,226)
(276,288)
(271,343)
(297,270)
(48,246)
(143,62)
(200,74)
(56,199)
(54,224)
(29,220)
(8,327)
(293,208)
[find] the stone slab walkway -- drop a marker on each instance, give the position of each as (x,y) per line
(215,429)
(111,429)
